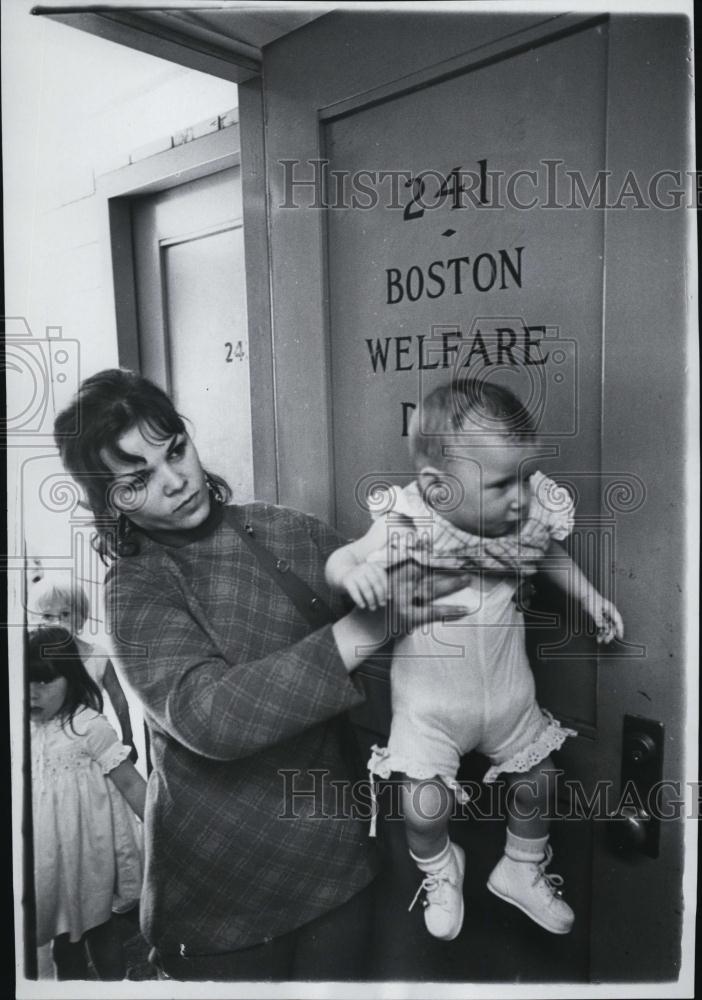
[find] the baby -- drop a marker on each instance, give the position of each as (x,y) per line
(466,685)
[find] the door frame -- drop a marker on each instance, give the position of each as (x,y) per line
(201,157)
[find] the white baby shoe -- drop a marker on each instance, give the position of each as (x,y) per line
(443,891)
(526,884)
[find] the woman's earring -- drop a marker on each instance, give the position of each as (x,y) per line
(213,489)
(124,529)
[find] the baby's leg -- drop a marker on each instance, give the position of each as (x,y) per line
(520,877)
(528,796)
(427,807)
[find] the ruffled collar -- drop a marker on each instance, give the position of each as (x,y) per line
(445,534)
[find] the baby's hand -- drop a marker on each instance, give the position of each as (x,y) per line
(605,616)
(367,585)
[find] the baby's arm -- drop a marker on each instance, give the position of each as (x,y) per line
(131,785)
(348,569)
(559,567)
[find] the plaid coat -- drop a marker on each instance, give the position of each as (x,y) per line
(237,689)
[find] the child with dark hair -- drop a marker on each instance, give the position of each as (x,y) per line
(58,599)
(85,794)
(467,685)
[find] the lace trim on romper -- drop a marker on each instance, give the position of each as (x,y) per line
(382,764)
(552,737)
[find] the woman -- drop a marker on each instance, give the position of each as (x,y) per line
(251,873)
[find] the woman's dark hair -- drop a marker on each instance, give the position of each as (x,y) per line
(107,406)
(52,653)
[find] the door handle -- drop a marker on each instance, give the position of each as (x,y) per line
(628,830)
(639,747)
(633,827)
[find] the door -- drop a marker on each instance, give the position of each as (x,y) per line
(463,278)
(460,279)
(541,284)
(191,308)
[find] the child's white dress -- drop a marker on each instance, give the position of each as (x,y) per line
(87,841)
(466,684)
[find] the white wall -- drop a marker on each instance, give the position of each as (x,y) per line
(74,107)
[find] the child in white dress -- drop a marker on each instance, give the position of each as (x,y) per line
(85,795)
(466,685)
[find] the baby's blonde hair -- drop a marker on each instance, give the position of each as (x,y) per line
(53,590)
(444,414)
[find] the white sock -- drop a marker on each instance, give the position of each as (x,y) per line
(525,848)
(435,863)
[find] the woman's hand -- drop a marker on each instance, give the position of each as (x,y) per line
(414,589)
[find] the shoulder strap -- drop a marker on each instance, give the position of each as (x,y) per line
(317,613)
(310,605)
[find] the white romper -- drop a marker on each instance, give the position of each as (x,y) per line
(466,684)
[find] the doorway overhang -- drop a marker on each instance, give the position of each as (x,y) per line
(224,39)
